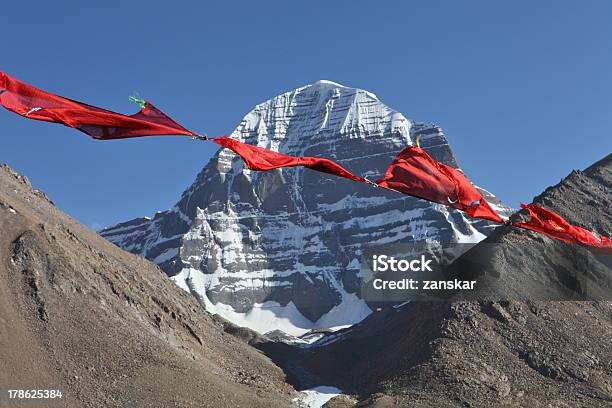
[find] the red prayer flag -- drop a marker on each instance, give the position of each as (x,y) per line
(258,158)
(552,224)
(415,173)
(34,103)
(412,172)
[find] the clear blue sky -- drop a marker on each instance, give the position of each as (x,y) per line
(523,89)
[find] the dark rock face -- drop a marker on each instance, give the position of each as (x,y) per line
(522,265)
(585,197)
(292,238)
(488,353)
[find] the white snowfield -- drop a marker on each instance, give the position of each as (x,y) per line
(269,316)
(316,397)
(278,242)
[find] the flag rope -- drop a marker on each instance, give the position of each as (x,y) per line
(413,172)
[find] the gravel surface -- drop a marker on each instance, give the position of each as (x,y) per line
(108,328)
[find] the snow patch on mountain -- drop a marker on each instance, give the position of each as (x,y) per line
(271,315)
(316,397)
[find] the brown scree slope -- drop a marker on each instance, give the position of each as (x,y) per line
(106,327)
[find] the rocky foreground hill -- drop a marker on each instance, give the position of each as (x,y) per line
(108,328)
(505,352)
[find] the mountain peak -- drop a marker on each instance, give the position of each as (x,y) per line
(327,83)
(333,89)
(282,249)
(320,111)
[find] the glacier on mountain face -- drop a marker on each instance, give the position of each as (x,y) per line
(281,249)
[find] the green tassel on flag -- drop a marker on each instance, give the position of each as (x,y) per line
(138,101)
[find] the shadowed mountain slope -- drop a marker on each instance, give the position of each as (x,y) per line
(504,352)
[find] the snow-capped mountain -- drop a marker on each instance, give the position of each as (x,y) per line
(281,249)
